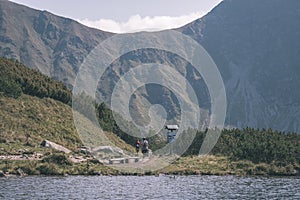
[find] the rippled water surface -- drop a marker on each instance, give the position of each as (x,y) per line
(149,187)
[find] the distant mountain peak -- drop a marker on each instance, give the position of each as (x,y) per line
(255,44)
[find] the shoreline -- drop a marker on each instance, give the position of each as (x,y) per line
(60,165)
(153,175)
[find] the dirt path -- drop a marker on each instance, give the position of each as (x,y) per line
(35,156)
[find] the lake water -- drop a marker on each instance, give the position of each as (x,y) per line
(149,187)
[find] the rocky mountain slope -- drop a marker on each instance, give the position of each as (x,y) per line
(54,45)
(254,44)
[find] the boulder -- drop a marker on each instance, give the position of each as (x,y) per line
(20,172)
(86,150)
(2,174)
(49,144)
(108,151)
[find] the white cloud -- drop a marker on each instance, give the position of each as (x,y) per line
(137,23)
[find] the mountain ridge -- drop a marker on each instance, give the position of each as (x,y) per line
(254,44)
(53,45)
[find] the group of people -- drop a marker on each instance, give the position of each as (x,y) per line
(144,144)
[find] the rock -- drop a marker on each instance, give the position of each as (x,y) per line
(20,172)
(117,161)
(85,150)
(2,174)
(49,144)
(132,159)
(109,150)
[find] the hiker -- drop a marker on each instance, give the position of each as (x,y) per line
(145,146)
(137,146)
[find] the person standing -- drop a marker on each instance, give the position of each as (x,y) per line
(137,146)
(145,146)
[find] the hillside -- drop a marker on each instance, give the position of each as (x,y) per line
(39,112)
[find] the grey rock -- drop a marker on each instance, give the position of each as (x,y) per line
(53,145)
(108,150)
(2,174)
(20,172)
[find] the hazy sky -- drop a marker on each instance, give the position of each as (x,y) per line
(127,15)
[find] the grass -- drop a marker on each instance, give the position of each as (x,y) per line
(53,169)
(221,165)
(27,121)
(59,164)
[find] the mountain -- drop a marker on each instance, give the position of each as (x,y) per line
(54,45)
(256,48)
(254,44)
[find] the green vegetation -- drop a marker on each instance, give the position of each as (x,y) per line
(257,146)
(41,112)
(35,107)
(9,88)
(14,75)
(87,106)
(260,146)
(55,164)
(222,165)
(27,121)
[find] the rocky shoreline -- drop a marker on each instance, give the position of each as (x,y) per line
(61,165)
(55,160)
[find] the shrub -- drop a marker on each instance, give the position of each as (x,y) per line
(9,88)
(58,158)
(49,169)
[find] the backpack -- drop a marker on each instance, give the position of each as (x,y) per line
(145,144)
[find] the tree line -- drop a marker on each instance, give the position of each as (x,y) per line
(15,79)
(258,146)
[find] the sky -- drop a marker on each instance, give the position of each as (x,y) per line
(121,16)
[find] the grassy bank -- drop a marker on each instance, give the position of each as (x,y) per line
(221,165)
(60,164)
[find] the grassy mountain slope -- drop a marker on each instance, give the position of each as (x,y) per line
(41,112)
(28,120)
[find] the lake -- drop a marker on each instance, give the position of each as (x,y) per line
(150,187)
